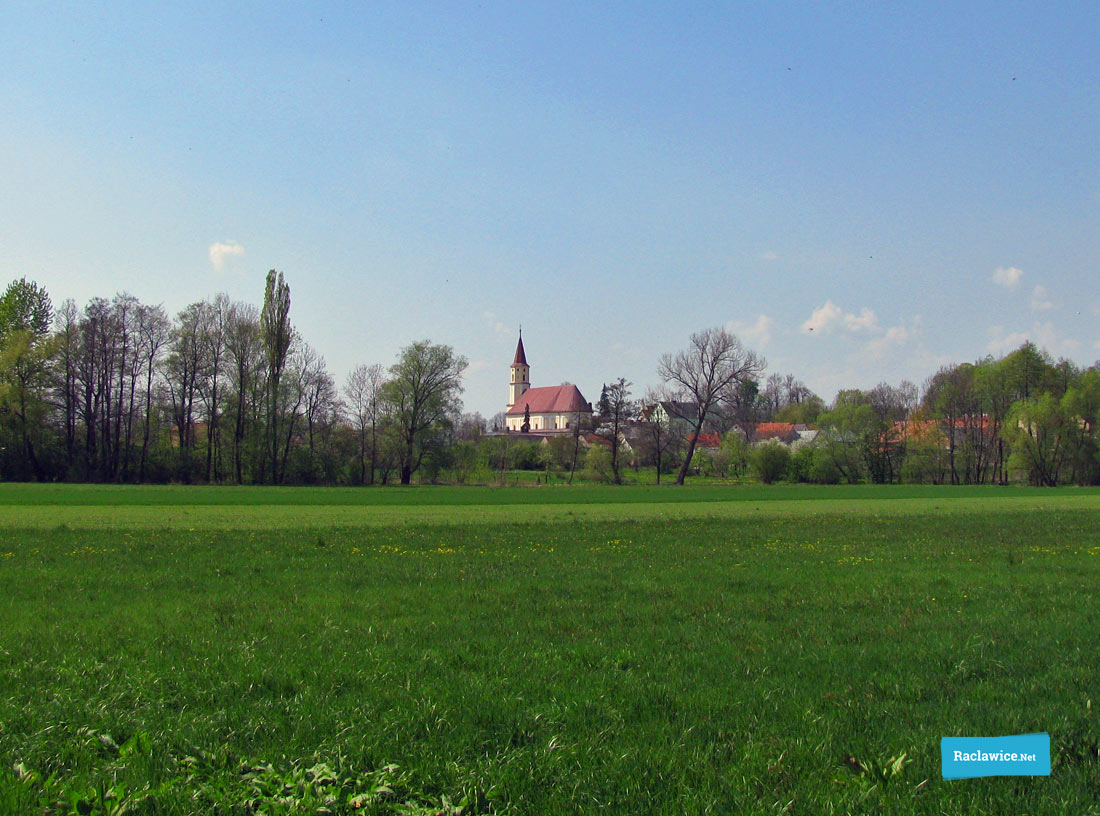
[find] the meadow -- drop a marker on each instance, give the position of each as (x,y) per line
(795,650)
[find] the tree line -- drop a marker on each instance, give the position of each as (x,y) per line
(227,393)
(223,392)
(1021,417)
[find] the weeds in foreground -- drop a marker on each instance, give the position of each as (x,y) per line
(135,777)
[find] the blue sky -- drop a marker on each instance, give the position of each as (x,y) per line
(918,184)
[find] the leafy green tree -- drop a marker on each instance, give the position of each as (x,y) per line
(802,413)
(952,397)
(771,461)
(824,469)
(424,394)
(557,454)
(25,306)
(464,460)
(1041,434)
(24,367)
(26,352)
(1081,404)
(1028,369)
(597,464)
(736,450)
(527,455)
(925,450)
(852,436)
(802,464)
(994,397)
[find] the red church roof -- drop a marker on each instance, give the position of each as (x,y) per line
(549,399)
(521,358)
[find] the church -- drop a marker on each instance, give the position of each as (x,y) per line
(547,408)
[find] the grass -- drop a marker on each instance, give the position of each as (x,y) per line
(84,495)
(796,651)
(123,508)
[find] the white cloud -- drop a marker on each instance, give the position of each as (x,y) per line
(770,255)
(865,321)
(1040,302)
(823,318)
(1043,335)
(829,316)
(1047,337)
(894,339)
(220,252)
(499,328)
(1007,276)
(1001,343)
(756,334)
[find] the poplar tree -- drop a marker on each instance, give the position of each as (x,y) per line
(277,334)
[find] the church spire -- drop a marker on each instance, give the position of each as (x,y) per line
(520,379)
(521,358)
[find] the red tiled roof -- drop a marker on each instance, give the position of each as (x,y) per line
(781,431)
(911,428)
(706,440)
(521,358)
(774,428)
(550,399)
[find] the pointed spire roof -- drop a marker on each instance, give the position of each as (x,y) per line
(521,358)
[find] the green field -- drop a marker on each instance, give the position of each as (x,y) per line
(542,650)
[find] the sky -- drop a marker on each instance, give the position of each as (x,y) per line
(862,192)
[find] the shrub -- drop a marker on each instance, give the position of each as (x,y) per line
(824,469)
(771,461)
(597,464)
(737,450)
(802,465)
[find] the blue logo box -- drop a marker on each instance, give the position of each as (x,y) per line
(1018,755)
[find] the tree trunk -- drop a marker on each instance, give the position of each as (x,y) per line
(691,447)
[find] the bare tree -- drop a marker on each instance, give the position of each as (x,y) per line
(708,372)
(186,366)
(470,427)
(658,432)
(244,347)
(615,409)
(771,396)
(213,329)
(322,402)
(363,390)
(292,401)
(154,332)
(67,330)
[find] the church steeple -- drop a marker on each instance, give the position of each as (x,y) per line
(520,379)
(521,358)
